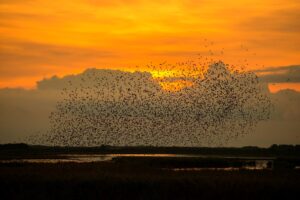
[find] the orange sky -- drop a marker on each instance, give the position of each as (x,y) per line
(41,38)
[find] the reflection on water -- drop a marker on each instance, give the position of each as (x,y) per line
(67,159)
(206,168)
(256,164)
(88,158)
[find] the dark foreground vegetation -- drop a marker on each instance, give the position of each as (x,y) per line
(149,177)
(126,180)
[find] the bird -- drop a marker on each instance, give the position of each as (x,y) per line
(210,103)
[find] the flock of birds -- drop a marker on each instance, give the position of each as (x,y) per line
(122,108)
(209,106)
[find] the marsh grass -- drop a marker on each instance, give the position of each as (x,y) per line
(128,179)
(148,177)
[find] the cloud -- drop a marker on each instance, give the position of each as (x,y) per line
(24,112)
(281,20)
(287,103)
(112,2)
(286,74)
(30,109)
(78,34)
(123,108)
(274,29)
(28,58)
(282,128)
(15,1)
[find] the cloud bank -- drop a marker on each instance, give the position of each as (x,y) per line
(287,74)
(135,104)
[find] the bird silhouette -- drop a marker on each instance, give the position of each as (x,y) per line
(210,104)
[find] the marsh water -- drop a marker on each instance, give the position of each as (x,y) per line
(88,158)
(260,163)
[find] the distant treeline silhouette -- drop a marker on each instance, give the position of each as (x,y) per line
(14,146)
(273,150)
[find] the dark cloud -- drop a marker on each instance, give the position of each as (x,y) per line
(30,109)
(123,108)
(282,128)
(287,103)
(286,74)
(24,112)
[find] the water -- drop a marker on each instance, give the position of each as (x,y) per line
(88,158)
(260,163)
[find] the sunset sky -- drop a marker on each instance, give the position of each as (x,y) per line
(42,38)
